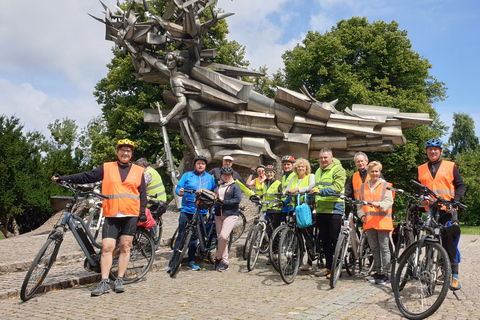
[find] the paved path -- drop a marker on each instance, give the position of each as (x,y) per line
(234,294)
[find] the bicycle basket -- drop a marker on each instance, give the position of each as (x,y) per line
(205,199)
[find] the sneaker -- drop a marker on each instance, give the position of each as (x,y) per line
(222,267)
(383,279)
(306,267)
(440,280)
(217,263)
(372,278)
(118,285)
(169,269)
(102,287)
(329,275)
(323,273)
(456,284)
(193,266)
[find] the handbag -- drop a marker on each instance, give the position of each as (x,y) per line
(303,214)
(150,221)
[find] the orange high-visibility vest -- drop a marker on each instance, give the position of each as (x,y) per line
(376,219)
(442,185)
(357,182)
(123,197)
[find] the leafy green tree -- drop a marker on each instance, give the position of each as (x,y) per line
(469,167)
(463,136)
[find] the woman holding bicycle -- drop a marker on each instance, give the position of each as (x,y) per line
(377,220)
(226,214)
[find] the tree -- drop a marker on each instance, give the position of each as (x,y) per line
(359,62)
(469,167)
(463,135)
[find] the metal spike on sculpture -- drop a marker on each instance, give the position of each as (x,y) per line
(217,114)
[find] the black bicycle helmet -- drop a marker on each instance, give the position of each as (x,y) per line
(226,170)
(433,143)
(261,166)
(270,168)
(199,157)
(288,158)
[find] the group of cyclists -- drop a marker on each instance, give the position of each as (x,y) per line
(128,185)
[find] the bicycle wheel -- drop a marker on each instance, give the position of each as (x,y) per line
(273,248)
(365,259)
(159,230)
(405,238)
(255,246)
(181,251)
(239,227)
(40,266)
(142,254)
(173,239)
(338,257)
(418,293)
(94,222)
(350,262)
(246,246)
(289,255)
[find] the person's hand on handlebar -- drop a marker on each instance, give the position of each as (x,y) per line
(56,178)
(181,192)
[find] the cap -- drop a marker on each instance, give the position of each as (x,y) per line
(228,158)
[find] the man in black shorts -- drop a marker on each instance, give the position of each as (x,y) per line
(124,184)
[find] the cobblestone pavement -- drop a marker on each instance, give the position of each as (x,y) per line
(234,294)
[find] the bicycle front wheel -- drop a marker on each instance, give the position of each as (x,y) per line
(142,254)
(41,266)
(239,227)
(248,239)
(338,257)
(289,255)
(273,248)
(419,290)
(255,246)
(181,251)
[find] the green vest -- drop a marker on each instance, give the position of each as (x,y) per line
(286,181)
(267,194)
(324,179)
(294,185)
(259,186)
(156,186)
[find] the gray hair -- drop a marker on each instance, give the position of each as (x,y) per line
(360,153)
(142,162)
(326,150)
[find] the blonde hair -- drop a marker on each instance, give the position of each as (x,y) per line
(305,162)
(373,164)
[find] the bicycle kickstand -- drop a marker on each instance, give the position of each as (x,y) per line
(456,296)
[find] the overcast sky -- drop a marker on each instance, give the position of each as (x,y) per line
(52,53)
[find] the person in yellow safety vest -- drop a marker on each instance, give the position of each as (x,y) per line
(443,178)
(258,181)
(124,184)
(329,180)
(287,164)
(155,187)
(271,189)
(377,220)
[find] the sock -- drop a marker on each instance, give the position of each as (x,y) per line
(455,275)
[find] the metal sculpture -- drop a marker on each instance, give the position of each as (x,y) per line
(217,114)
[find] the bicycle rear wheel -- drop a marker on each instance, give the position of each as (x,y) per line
(41,266)
(158,231)
(338,257)
(405,239)
(173,239)
(417,288)
(248,239)
(180,252)
(273,248)
(255,246)
(142,254)
(239,227)
(289,255)
(365,260)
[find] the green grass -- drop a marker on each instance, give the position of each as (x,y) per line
(470,230)
(1,236)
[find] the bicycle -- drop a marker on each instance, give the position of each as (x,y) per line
(294,243)
(347,237)
(207,240)
(141,253)
(422,264)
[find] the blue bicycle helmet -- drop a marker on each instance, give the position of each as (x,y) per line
(433,143)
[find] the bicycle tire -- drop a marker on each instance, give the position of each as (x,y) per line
(417,296)
(365,260)
(405,239)
(338,257)
(246,246)
(40,267)
(173,239)
(92,222)
(273,248)
(350,262)
(239,227)
(181,251)
(255,246)
(159,230)
(289,255)
(142,255)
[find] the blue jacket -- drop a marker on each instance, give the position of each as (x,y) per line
(233,197)
(192,180)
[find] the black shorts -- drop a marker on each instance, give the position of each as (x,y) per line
(116,227)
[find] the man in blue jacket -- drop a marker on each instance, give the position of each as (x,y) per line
(196,179)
